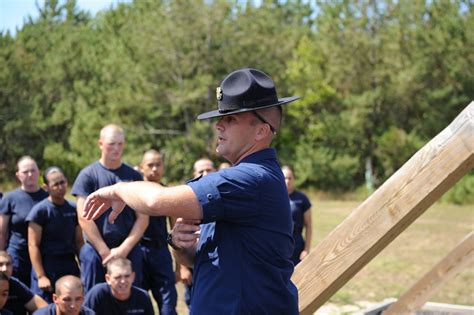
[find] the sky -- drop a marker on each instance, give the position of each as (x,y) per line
(13,13)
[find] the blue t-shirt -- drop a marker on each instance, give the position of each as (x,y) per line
(299,204)
(6,312)
(19,294)
(17,204)
(101,300)
(51,310)
(59,224)
(96,176)
(242,263)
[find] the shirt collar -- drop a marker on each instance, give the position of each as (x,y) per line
(265,154)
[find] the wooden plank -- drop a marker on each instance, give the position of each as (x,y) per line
(459,258)
(386,213)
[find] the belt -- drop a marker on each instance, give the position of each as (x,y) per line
(159,243)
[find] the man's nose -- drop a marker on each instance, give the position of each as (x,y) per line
(219,124)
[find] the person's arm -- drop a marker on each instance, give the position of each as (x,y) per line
(308,227)
(136,233)
(35,232)
(4,220)
(91,231)
(183,274)
(79,239)
(35,303)
(144,197)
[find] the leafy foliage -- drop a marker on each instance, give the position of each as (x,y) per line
(377,80)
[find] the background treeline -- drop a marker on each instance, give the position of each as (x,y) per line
(378,79)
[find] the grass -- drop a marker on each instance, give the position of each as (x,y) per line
(404,261)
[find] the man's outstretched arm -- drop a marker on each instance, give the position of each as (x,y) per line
(144,197)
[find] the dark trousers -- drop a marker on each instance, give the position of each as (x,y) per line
(158,276)
(21,264)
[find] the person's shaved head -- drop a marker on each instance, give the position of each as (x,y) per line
(111,144)
(69,283)
(111,129)
(272,115)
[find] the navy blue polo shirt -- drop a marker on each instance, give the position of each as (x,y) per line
(19,294)
(299,204)
(59,227)
(242,263)
(102,302)
(17,204)
(51,310)
(96,176)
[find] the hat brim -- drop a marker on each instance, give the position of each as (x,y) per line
(217,113)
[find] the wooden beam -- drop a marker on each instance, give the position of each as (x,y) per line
(386,213)
(459,258)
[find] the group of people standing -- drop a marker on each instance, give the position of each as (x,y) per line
(122,257)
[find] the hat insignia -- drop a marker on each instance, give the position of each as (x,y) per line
(219,93)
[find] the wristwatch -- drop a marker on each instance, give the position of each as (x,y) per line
(169,240)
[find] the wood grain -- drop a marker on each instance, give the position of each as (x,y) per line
(386,213)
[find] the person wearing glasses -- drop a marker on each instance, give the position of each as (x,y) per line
(54,236)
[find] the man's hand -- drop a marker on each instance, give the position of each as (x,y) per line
(186,233)
(99,201)
(45,284)
(114,253)
(303,254)
(184,275)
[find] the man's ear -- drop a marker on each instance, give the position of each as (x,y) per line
(107,278)
(55,298)
(262,132)
(45,187)
(133,276)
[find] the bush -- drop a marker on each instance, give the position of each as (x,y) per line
(462,193)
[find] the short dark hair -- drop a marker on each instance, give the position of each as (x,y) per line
(49,170)
(118,262)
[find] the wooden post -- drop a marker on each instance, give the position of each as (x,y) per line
(459,258)
(386,213)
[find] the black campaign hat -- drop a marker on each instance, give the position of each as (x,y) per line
(245,90)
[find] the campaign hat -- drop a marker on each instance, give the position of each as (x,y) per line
(245,90)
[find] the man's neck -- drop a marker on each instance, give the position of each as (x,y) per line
(30,189)
(121,297)
(252,150)
(110,164)
(56,200)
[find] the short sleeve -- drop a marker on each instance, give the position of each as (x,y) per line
(84,185)
(306,203)
(23,293)
(230,196)
(37,215)
(5,206)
